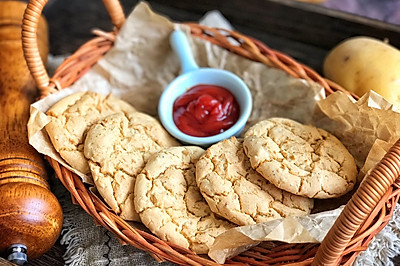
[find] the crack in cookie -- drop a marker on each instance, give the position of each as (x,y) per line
(234,190)
(300,159)
(117,149)
(72,116)
(169,202)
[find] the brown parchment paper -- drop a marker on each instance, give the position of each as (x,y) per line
(141,63)
(361,125)
(306,229)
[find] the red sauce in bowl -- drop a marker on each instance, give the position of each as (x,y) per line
(205,110)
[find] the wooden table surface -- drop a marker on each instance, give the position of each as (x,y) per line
(303,31)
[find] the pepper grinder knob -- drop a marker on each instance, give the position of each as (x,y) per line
(17,254)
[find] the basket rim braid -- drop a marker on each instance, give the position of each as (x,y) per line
(366,214)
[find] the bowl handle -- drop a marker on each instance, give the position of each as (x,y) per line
(182,49)
(29,39)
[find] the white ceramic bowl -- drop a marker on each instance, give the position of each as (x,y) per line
(207,76)
(193,75)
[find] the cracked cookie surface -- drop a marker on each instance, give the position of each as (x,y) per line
(301,159)
(72,116)
(234,190)
(170,204)
(117,149)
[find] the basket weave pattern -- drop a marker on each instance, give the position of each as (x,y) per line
(369,210)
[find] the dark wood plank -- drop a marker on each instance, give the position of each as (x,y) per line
(4,262)
(303,22)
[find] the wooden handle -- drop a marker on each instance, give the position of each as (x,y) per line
(30,44)
(29,213)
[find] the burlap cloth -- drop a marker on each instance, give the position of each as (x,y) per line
(88,244)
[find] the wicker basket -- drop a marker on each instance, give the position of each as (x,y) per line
(369,210)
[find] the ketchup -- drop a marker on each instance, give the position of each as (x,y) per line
(205,110)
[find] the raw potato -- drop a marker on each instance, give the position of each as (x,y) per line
(361,64)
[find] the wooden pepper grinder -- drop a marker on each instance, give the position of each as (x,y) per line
(30,215)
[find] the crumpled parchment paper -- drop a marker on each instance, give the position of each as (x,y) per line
(141,64)
(306,229)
